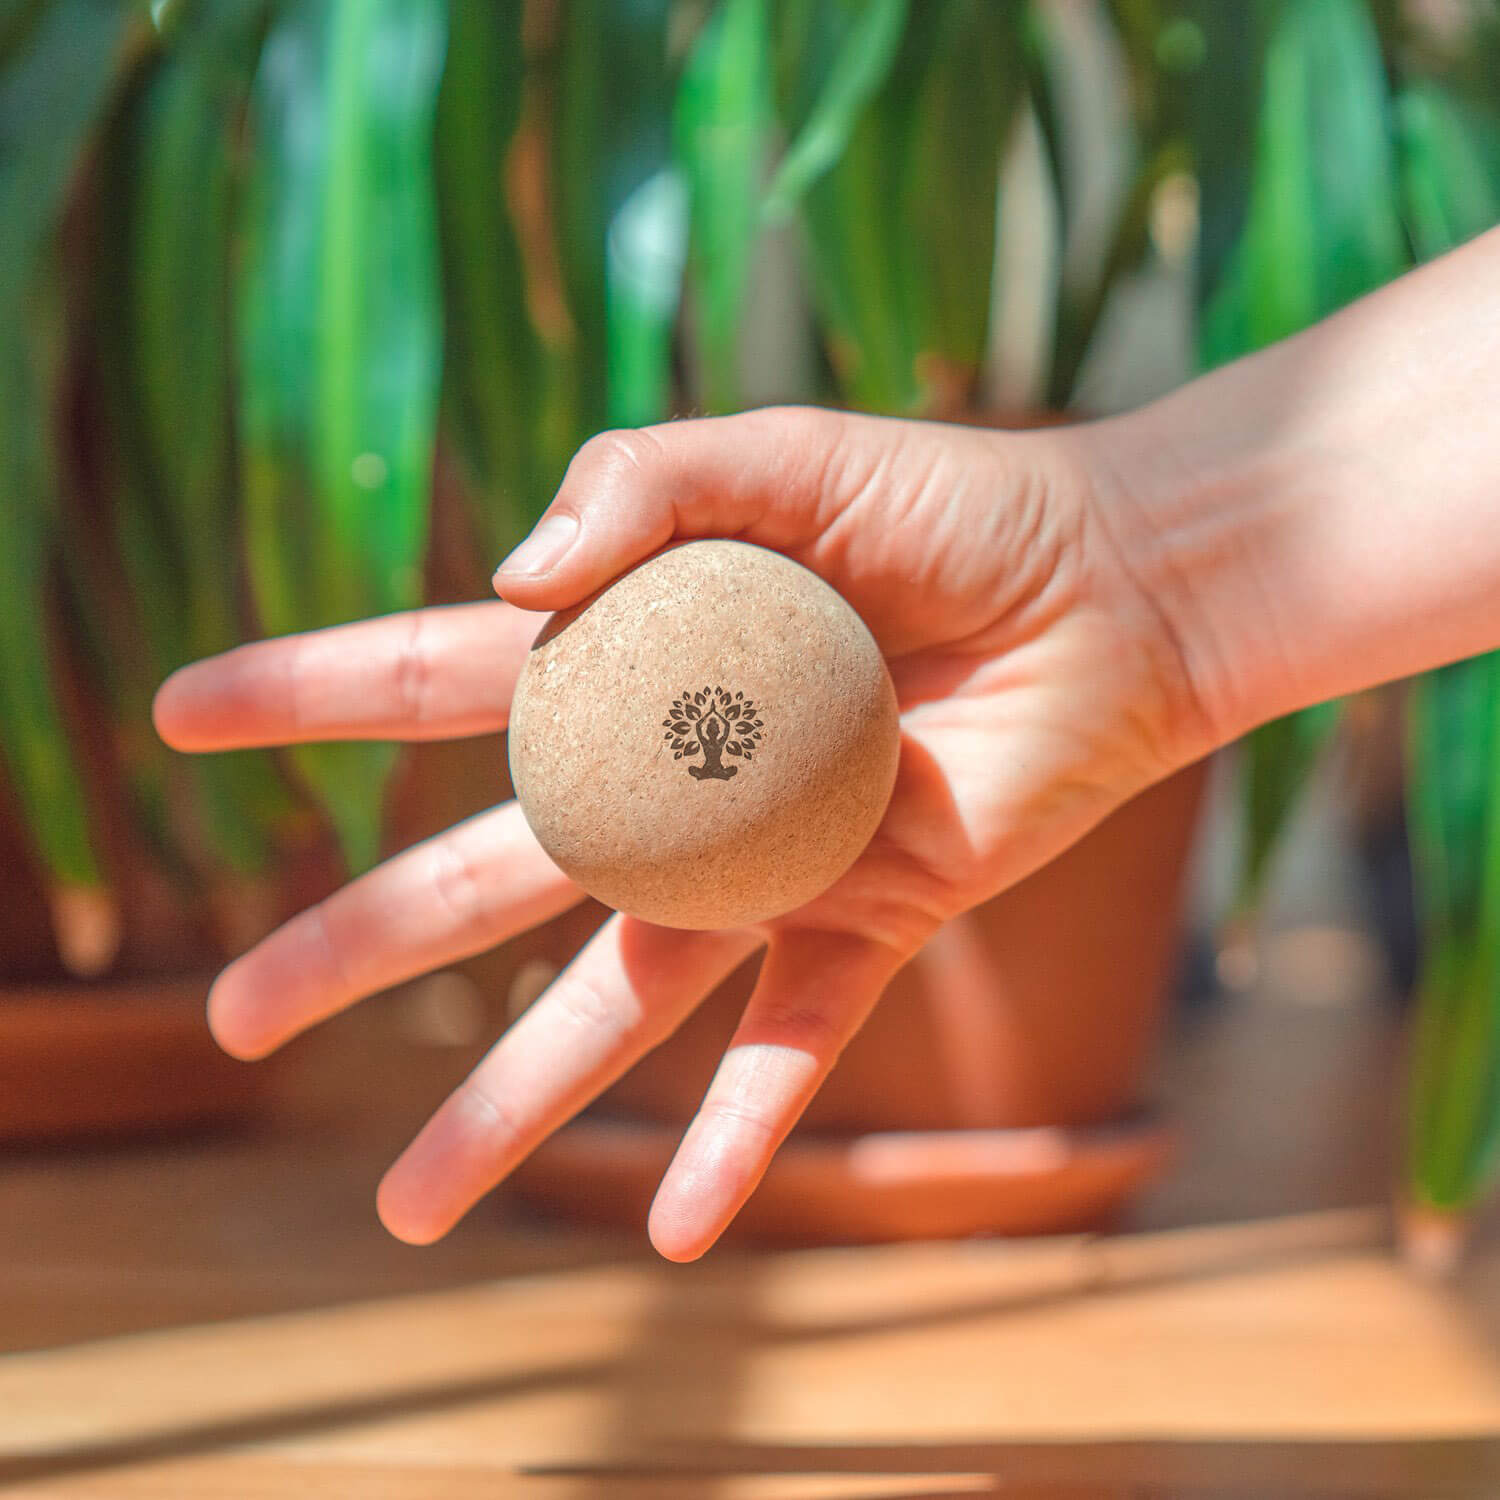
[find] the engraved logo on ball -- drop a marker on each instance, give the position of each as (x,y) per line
(713,723)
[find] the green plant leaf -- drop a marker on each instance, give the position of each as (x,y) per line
(167,200)
(856,72)
(969,90)
(1454,772)
(1170,82)
(494,366)
(1450,168)
(723,119)
(176,146)
(848,204)
(900,229)
(1451,191)
(38,757)
(1279,759)
(1453,750)
(621,210)
(1454,1089)
(1320,221)
(16,20)
(341,338)
(1219,103)
(53,91)
(1047,99)
(1317,225)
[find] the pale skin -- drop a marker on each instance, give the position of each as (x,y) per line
(1069,615)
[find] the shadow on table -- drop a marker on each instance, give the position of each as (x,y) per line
(1446,1469)
(200,1440)
(683,1371)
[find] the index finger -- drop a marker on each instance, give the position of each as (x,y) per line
(426,674)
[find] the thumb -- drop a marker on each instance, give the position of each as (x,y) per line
(758,476)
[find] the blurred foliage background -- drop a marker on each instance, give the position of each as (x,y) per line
(304,305)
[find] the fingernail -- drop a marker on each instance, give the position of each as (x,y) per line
(543,549)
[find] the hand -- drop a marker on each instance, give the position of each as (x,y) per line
(1039,687)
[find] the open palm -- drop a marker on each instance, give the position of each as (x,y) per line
(1039,689)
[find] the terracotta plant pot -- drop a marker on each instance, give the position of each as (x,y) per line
(118,1059)
(995,1089)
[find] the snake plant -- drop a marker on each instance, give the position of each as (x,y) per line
(1374,148)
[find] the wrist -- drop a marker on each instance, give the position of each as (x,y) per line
(1202,509)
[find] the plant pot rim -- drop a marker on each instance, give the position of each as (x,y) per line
(874,1186)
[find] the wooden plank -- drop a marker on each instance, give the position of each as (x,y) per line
(221,1351)
(239,1478)
(983,1363)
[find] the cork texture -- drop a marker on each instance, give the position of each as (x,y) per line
(709,742)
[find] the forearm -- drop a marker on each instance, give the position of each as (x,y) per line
(1325,515)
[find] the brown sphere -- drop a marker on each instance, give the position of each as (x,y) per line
(710,741)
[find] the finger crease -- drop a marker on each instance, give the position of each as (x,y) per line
(338,965)
(457,886)
(493,1118)
(414,673)
(801,1024)
(586,1007)
(730,1113)
(297,695)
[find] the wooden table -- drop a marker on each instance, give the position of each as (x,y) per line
(225,1319)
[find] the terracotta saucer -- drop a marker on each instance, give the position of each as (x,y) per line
(858,1189)
(113,1059)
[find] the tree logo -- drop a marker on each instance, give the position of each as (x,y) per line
(716,723)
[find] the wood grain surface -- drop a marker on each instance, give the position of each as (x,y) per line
(1304,1371)
(224,1319)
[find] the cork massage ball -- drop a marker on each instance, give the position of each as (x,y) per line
(709,741)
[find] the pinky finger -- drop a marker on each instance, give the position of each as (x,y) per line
(814,993)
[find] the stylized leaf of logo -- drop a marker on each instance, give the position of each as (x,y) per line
(712,723)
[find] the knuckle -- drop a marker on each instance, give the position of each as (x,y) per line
(817,437)
(813,426)
(585,1005)
(897,925)
(414,673)
(298,687)
(742,1116)
(337,956)
(623,451)
(482,1114)
(456,884)
(797,1024)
